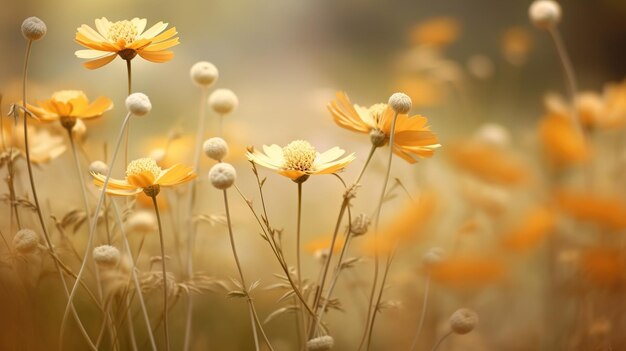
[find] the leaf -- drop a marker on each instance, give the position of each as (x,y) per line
(286,295)
(236,294)
(280,311)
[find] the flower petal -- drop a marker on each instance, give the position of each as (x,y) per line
(153,31)
(175,175)
(99,62)
(156,56)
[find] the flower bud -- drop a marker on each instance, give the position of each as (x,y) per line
(99,167)
(544,14)
(359,224)
(142,221)
(222,175)
(321,343)
(400,103)
(33,28)
(106,256)
(79,130)
(26,241)
(378,137)
(157,154)
(463,321)
(204,74)
(138,104)
(215,148)
(223,101)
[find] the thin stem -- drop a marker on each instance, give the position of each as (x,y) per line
(165,326)
(243,283)
(441,340)
(380,295)
(376,222)
(79,174)
(191,233)
(423,316)
(126,137)
(298,259)
(367,162)
(92,230)
(129,76)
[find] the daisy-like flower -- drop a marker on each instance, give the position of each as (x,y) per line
(299,160)
(145,175)
(413,137)
(126,39)
(43,145)
(67,106)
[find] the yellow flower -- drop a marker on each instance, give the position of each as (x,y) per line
(298,160)
(126,39)
(145,175)
(413,137)
(68,105)
(43,145)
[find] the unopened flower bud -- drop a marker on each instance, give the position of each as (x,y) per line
(157,155)
(544,14)
(204,73)
(359,224)
(142,222)
(222,175)
(138,104)
(26,241)
(99,167)
(463,321)
(215,148)
(400,103)
(223,101)
(79,130)
(33,28)
(321,343)
(378,137)
(106,256)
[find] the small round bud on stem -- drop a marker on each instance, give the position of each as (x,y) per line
(26,241)
(223,101)
(33,28)
(360,224)
(463,321)
(142,221)
(378,137)
(99,167)
(215,148)
(222,175)
(204,74)
(138,104)
(544,14)
(321,343)
(400,103)
(106,256)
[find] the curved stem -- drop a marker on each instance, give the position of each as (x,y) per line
(243,283)
(126,137)
(165,305)
(441,340)
(380,295)
(367,162)
(370,312)
(92,230)
(423,316)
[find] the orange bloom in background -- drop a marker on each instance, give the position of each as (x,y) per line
(126,39)
(142,174)
(70,104)
(437,31)
(564,145)
(424,91)
(322,244)
(145,201)
(43,145)
(603,265)
(487,162)
(516,43)
(413,137)
(408,223)
(299,160)
(469,271)
(614,112)
(532,228)
(606,211)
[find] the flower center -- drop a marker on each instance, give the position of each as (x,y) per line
(142,165)
(377,111)
(299,155)
(125,30)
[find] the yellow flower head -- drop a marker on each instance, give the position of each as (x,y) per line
(70,105)
(298,160)
(413,137)
(126,39)
(145,175)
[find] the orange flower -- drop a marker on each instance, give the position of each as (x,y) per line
(69,105)
(516,43)
(487,162)
(533,227)
(145,175)
(299,160)
(126,39)
(470,271)
(437,31)
(43,145)
(562,142)
(607,211)
(413,137)
(604,265)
